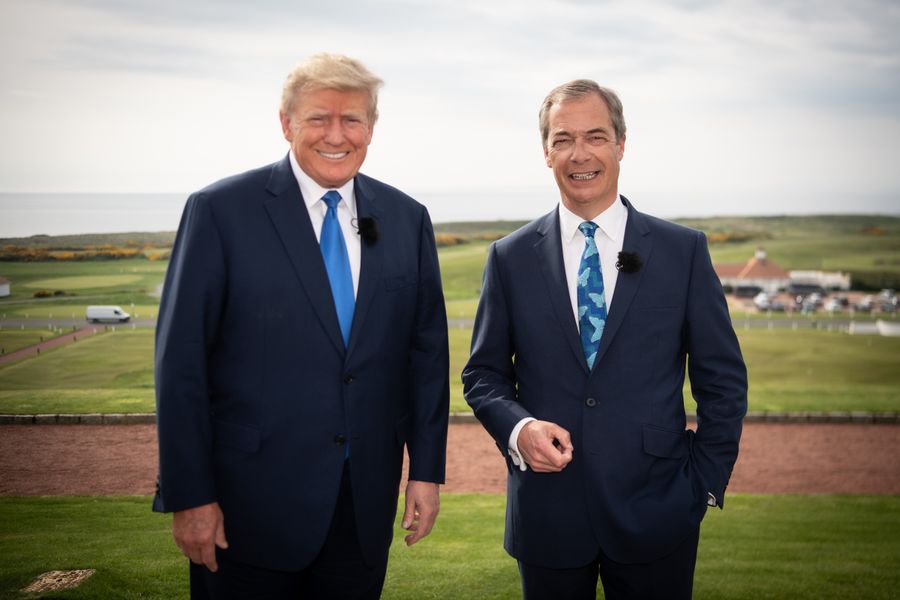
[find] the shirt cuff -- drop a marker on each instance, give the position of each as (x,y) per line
(711,500)
(513,446)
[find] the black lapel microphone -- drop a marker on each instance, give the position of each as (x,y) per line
(629,262)
(368,230)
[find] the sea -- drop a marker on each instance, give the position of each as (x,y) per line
(28,214)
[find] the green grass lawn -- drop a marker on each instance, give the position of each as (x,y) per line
(789,371)
(821,371)
(107,372)
(760,547)
(461,270)
(14,339)
(131,278)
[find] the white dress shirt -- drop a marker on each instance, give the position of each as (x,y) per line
(346,213)
(609,237)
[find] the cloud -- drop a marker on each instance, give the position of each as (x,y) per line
(729,103)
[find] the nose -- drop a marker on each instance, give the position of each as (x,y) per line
(579,151)
(334,132)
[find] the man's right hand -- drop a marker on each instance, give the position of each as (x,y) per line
(545,446)
(198,531)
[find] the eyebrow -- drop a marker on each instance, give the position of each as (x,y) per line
(564,133)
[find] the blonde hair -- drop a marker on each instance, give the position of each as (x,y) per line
(330,71)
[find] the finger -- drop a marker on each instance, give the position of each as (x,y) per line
(565,440)
(551,455)
(409,514)
(221,542)
(208,557)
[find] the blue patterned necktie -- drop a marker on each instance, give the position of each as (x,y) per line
(591,300)
(337,264)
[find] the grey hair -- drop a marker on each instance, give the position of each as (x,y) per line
(577,89)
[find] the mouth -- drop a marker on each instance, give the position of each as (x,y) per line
(584,176)
(332,155)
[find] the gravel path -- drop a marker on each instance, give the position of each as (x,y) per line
(775,458)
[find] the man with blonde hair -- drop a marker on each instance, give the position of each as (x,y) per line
(301,344)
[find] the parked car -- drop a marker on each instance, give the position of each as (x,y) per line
(866,303)
(106,314)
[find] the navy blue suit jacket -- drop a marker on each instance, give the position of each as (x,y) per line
(254,384)
(638,481)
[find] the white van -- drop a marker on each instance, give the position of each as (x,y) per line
(107,314)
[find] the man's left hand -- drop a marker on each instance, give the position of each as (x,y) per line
(423,502)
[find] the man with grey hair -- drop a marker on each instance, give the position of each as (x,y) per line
(301,344)
(587,318)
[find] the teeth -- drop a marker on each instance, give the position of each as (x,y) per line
(584,176)
(333,154)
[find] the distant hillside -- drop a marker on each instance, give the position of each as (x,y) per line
(771,227)
(159,239)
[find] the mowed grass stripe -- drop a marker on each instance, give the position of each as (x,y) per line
(789,371)
(759,547)
(120,359)
(84,282)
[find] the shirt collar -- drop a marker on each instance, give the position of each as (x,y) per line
(609,221)
(312,192)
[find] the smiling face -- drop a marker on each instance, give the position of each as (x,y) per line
(582,149)
(329,131)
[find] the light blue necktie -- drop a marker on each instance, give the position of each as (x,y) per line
(591,300)
(337,263)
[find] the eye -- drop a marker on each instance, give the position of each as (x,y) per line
(562,143)
(598,140)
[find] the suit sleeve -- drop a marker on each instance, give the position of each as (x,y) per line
(429,368)
(717,374)
(489,380)
(187,328)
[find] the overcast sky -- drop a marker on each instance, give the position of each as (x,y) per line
(744,107)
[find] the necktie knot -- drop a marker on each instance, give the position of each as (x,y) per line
(331,198)
(587,228)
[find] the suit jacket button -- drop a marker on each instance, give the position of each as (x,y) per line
(591,402)
(348,378)
(339,439)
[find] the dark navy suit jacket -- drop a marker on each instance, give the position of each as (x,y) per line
(638,481)
(254,385)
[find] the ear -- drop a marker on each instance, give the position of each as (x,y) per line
(369,136)
(286,126)
(547,157)
(620,148)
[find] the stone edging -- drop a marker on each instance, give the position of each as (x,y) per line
(885,418)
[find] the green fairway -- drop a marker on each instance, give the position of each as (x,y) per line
(109,282)
(789,371)
(106,372)
(760,547)
(14,339)
(460,340)
(461,269)
(821,371)
(83,282)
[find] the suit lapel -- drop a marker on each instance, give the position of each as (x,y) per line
(638,241)
(371,260)
(290,218)
(549,256)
